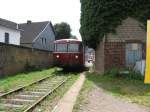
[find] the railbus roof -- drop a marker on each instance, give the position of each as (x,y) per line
(67,41)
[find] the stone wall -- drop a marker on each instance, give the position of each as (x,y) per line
(14,59)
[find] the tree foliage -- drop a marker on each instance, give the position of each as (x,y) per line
(100,17)
(73,37)
(62,30)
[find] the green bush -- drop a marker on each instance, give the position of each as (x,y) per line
(124,73)
(114,72)
(135,75)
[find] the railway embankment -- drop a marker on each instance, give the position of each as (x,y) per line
(34,91)
(29,97)
(52,100)
(11,83)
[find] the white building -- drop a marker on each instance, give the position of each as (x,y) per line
(9,32)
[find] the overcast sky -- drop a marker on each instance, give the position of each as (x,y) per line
(43,10)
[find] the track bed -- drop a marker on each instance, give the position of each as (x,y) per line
(27,98)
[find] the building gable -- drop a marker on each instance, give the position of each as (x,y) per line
(45,39)
(129,30)
(31,30)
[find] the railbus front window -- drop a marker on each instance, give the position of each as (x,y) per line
(81,47)
(61,47)
(73,47)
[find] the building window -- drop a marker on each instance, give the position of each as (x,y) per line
(7,38)
(42,40)
(133,46)
(45,40)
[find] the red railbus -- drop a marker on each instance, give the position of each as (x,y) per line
(68,53)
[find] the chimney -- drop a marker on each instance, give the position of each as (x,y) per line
(29,21)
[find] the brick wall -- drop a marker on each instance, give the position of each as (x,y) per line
(114,53)
(14,59)
(109,55)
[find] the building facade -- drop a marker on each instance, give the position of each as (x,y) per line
(122,49)
(39,35)
(9,32)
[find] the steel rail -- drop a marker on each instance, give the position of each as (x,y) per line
(21,88)
(29,109)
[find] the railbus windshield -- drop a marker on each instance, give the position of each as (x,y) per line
(70,47)
(61,47)
(73,47)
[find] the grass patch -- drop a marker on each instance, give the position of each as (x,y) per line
(129,88)
(81,99)
(22,79)
(125,73)
(48,104)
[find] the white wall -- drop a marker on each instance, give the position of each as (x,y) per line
(14,35)
(140,67)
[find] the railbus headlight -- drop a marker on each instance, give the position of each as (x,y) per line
(76,57)
(57,56)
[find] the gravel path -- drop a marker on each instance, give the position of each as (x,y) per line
(99,101)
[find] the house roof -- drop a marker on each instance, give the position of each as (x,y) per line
(31,30)
(8,24)
(129,30)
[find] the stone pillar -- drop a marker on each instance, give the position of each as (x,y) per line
(99,58)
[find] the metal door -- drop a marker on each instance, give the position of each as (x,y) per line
(133,54)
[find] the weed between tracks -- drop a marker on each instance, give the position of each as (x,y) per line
(48,104)
(13,110)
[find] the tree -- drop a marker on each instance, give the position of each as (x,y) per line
(73,37)
(100,17)
(62,30)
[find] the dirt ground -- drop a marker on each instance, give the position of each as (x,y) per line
(99,101)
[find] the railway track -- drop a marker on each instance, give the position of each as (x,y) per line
(25,99)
